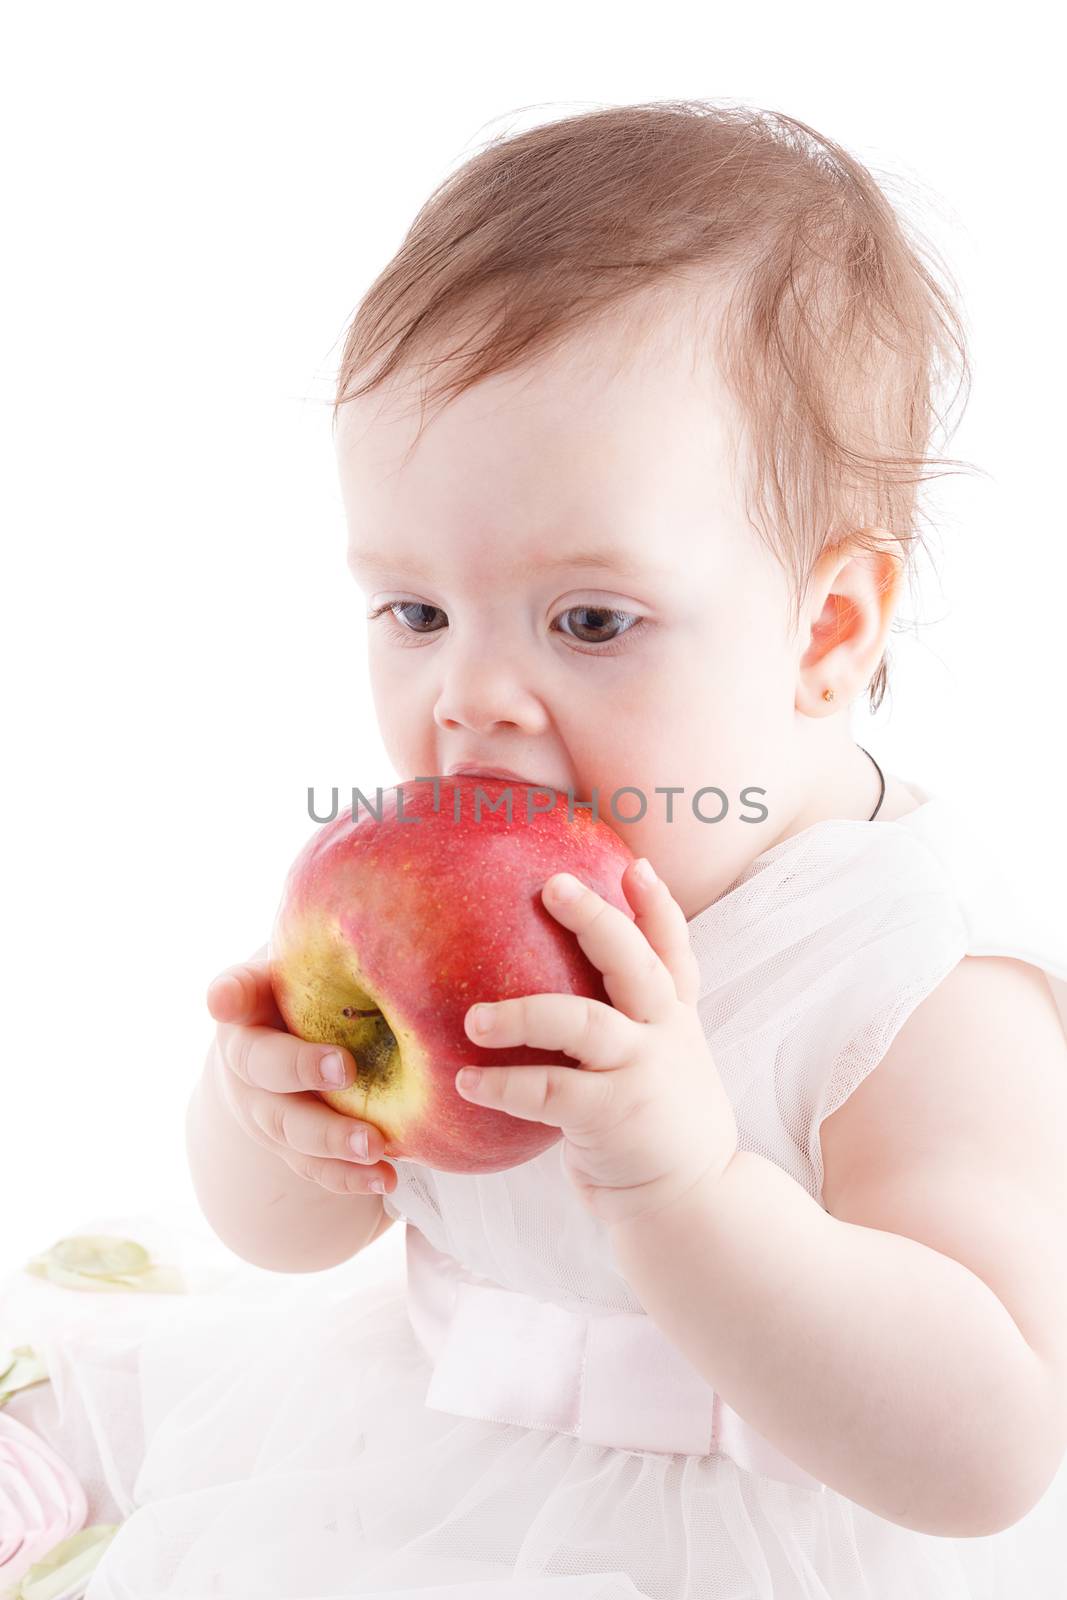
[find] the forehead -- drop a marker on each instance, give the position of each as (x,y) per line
(606,443)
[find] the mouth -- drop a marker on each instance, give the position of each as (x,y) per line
(487,772)
(505,776)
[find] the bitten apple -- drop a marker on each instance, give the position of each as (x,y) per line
(389,930)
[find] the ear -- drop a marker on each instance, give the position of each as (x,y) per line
(852,599)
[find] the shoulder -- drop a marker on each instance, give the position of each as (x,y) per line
(900,798)
(957,1138)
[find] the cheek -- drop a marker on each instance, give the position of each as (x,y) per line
(404,724)
(714,732)
(404,704)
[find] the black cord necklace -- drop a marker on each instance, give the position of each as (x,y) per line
(881,776)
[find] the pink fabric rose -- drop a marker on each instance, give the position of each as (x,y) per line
(41,1501)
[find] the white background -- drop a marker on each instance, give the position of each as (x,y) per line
(195,199)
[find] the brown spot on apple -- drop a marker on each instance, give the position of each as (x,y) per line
(323,998)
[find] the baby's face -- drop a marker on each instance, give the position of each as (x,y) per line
(666,662)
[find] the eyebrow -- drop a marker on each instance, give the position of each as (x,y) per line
(603,560)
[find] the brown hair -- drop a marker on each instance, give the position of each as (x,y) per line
(835,338)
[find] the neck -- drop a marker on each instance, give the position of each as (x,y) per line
(848,791)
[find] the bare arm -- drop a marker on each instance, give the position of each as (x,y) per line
(260,1208)
(887,1370)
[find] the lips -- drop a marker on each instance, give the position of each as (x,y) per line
(471,771)
(486,772)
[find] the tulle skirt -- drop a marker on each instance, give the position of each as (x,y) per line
(264,1436)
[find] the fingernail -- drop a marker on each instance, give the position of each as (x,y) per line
(332,1069)
(566,887)
(480,1019)
(643,872)
(377,1185)
(357,1142)
(228,987)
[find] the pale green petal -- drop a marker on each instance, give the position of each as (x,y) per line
(105,1264)
(19,1367)
(100,1255)
(65,1570)
(156,1279)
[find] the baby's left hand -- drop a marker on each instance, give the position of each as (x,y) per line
(644,1115)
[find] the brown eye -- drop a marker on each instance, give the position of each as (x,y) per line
(590,630)
(601,617)
(395,606)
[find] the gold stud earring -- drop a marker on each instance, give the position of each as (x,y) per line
(828,694)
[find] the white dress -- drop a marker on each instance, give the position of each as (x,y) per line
(508,1423)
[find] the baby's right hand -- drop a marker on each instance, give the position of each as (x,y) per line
(268,1077)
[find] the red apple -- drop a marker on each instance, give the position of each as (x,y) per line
(389,930)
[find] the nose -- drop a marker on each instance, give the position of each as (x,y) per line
(483,689)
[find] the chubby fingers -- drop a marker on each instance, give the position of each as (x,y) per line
(636,977)
(243,994)
(596,1035)
(562,1097)
(663,923)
